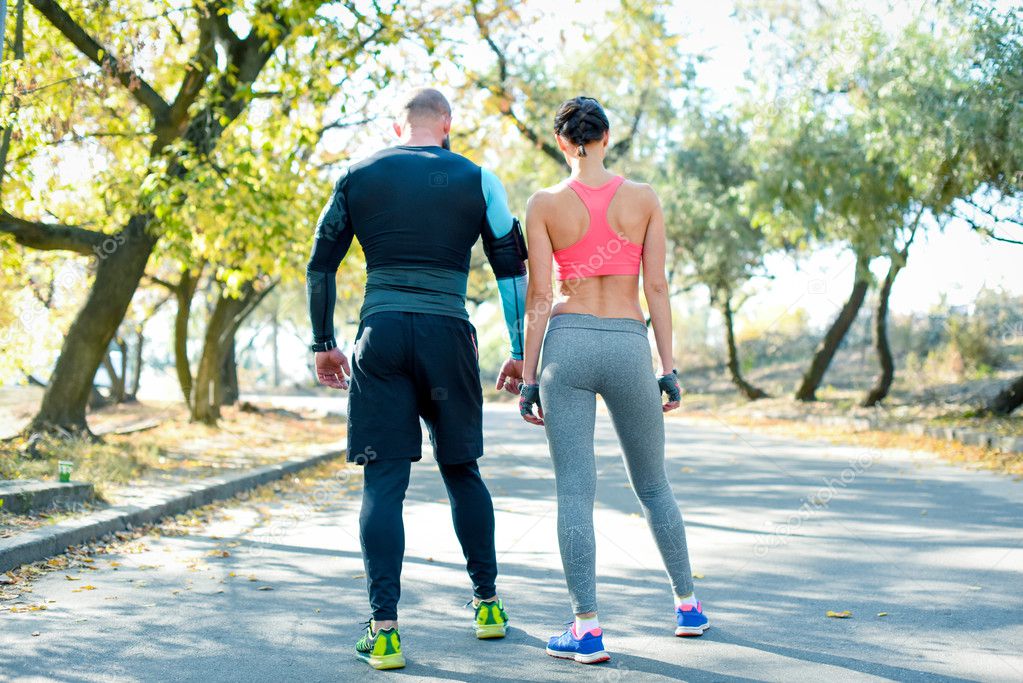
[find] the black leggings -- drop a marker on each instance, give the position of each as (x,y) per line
(382,531)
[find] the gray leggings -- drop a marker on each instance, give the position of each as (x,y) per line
(583,356)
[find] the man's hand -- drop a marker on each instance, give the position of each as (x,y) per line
(332,369)
(510,376)
(670,386)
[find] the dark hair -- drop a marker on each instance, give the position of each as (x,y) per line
(581,120)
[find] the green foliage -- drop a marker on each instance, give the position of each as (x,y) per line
(711,240)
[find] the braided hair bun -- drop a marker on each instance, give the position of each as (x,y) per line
(581,120)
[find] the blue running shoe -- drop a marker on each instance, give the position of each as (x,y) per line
(586,650)
(690,621)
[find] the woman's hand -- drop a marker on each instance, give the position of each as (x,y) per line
(529,395)
(670,386)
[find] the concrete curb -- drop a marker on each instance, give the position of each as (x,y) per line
(963,435)
(44,542)
(19,496)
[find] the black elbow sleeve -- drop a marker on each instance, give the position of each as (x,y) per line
(507,254)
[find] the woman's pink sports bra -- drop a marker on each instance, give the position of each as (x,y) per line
(601,251)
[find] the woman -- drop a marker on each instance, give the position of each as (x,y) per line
(599,229)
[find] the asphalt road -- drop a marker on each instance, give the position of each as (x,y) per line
(780,531)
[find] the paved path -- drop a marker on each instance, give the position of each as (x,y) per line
(781,531)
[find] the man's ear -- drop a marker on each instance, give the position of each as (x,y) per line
(447,125)
(397,128)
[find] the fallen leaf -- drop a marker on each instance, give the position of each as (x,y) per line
(218,553)
(882,614)
(359,576)
(265,588)
(838,615)
(253,578)
(70,578)
(697,576)
(35,633)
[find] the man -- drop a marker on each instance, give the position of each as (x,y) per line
(417,209)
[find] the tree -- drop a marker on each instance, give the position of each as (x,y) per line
(817,184)
(711,240)
(639,60)
(179,134)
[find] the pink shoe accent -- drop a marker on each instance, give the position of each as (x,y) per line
(687,607)
(578,636)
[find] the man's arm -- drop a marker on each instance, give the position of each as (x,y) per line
(505,248)
(333,238)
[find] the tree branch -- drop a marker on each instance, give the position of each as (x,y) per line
(19,54)
(622,147)
(139,89)
(501,92)
(199,67)
(52,236)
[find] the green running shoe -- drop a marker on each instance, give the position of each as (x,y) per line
(491,620)
(381,651)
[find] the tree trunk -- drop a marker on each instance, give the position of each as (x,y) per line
(745,388)
(883,382)
(228,314)
(184,292)
(116,382)
(136,366)
(229,374)
(1008,399)
(205,391)
(275,324)
(828,346)
(118,272)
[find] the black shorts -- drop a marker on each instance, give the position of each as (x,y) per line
(411,365)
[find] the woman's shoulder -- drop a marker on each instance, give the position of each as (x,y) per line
(548,195)
(637,188)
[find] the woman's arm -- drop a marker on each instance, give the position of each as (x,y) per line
(655,285)
(539,293)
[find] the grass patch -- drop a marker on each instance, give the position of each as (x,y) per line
(102,463)
(176,450)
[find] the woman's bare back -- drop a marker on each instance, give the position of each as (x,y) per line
(567,220)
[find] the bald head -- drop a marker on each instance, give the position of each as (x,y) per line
(425,105)
(424,118)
